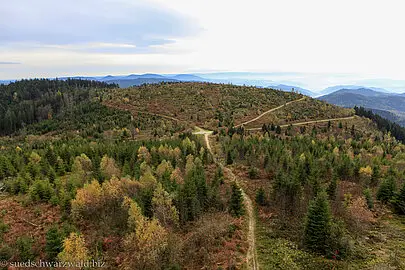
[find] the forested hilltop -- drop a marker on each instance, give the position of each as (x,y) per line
(197,176)
(31,101)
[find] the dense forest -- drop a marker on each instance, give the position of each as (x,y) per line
(383,124)
(130,177)
(93,182)
(31,101)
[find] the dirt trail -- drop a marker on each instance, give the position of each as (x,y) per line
(269,111)
(251,256)
(311,122)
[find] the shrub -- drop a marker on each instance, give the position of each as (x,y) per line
(369,198)
(24,247)
(253,172)
(5,252)
(261,197)
(41,190)
(3,228)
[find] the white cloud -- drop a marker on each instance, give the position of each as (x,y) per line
(318,36)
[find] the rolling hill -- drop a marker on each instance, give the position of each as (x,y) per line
(184,175)
(336,88)
(386,104)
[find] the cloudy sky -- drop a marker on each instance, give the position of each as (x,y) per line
(48,38)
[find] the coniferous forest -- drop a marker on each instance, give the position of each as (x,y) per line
(183,176)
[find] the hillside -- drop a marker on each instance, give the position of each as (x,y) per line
(205,104)
(385,103)
(332,89)
(190,175)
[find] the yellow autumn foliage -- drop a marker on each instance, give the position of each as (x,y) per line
(146,242)
(87,201)
(143,154)
(366,171)
(109,168)
(163,207)
(74,249)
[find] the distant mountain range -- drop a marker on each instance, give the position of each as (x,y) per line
(285,81)
(289,88)
(388,105)
(335,88)
(124,83)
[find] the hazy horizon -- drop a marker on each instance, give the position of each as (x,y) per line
(86,38)
(315,82)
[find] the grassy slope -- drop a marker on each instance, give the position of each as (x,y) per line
(199,102)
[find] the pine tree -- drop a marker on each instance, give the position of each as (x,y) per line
(399,201)
(261,197)
(51,175)
(126,169)
(219,176)
(332,188)
(278,130)
(51,157)
(386,191)
(236,207)
(199,178)
(54,243)
(229,159)
(369,198)
(318,224)
(25,250)
(375,176)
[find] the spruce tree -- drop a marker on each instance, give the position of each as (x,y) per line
(236,203)
(219,176)
(261,197)
(386,191)
(229,159)
(318,224)
(54,243)
(332,188)
(369,198)
(375,176)
(399,200)
(51,175)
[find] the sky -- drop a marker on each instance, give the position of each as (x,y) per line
(50,38)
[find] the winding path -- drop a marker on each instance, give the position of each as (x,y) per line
(251,257)
(269,111)
(310,122)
